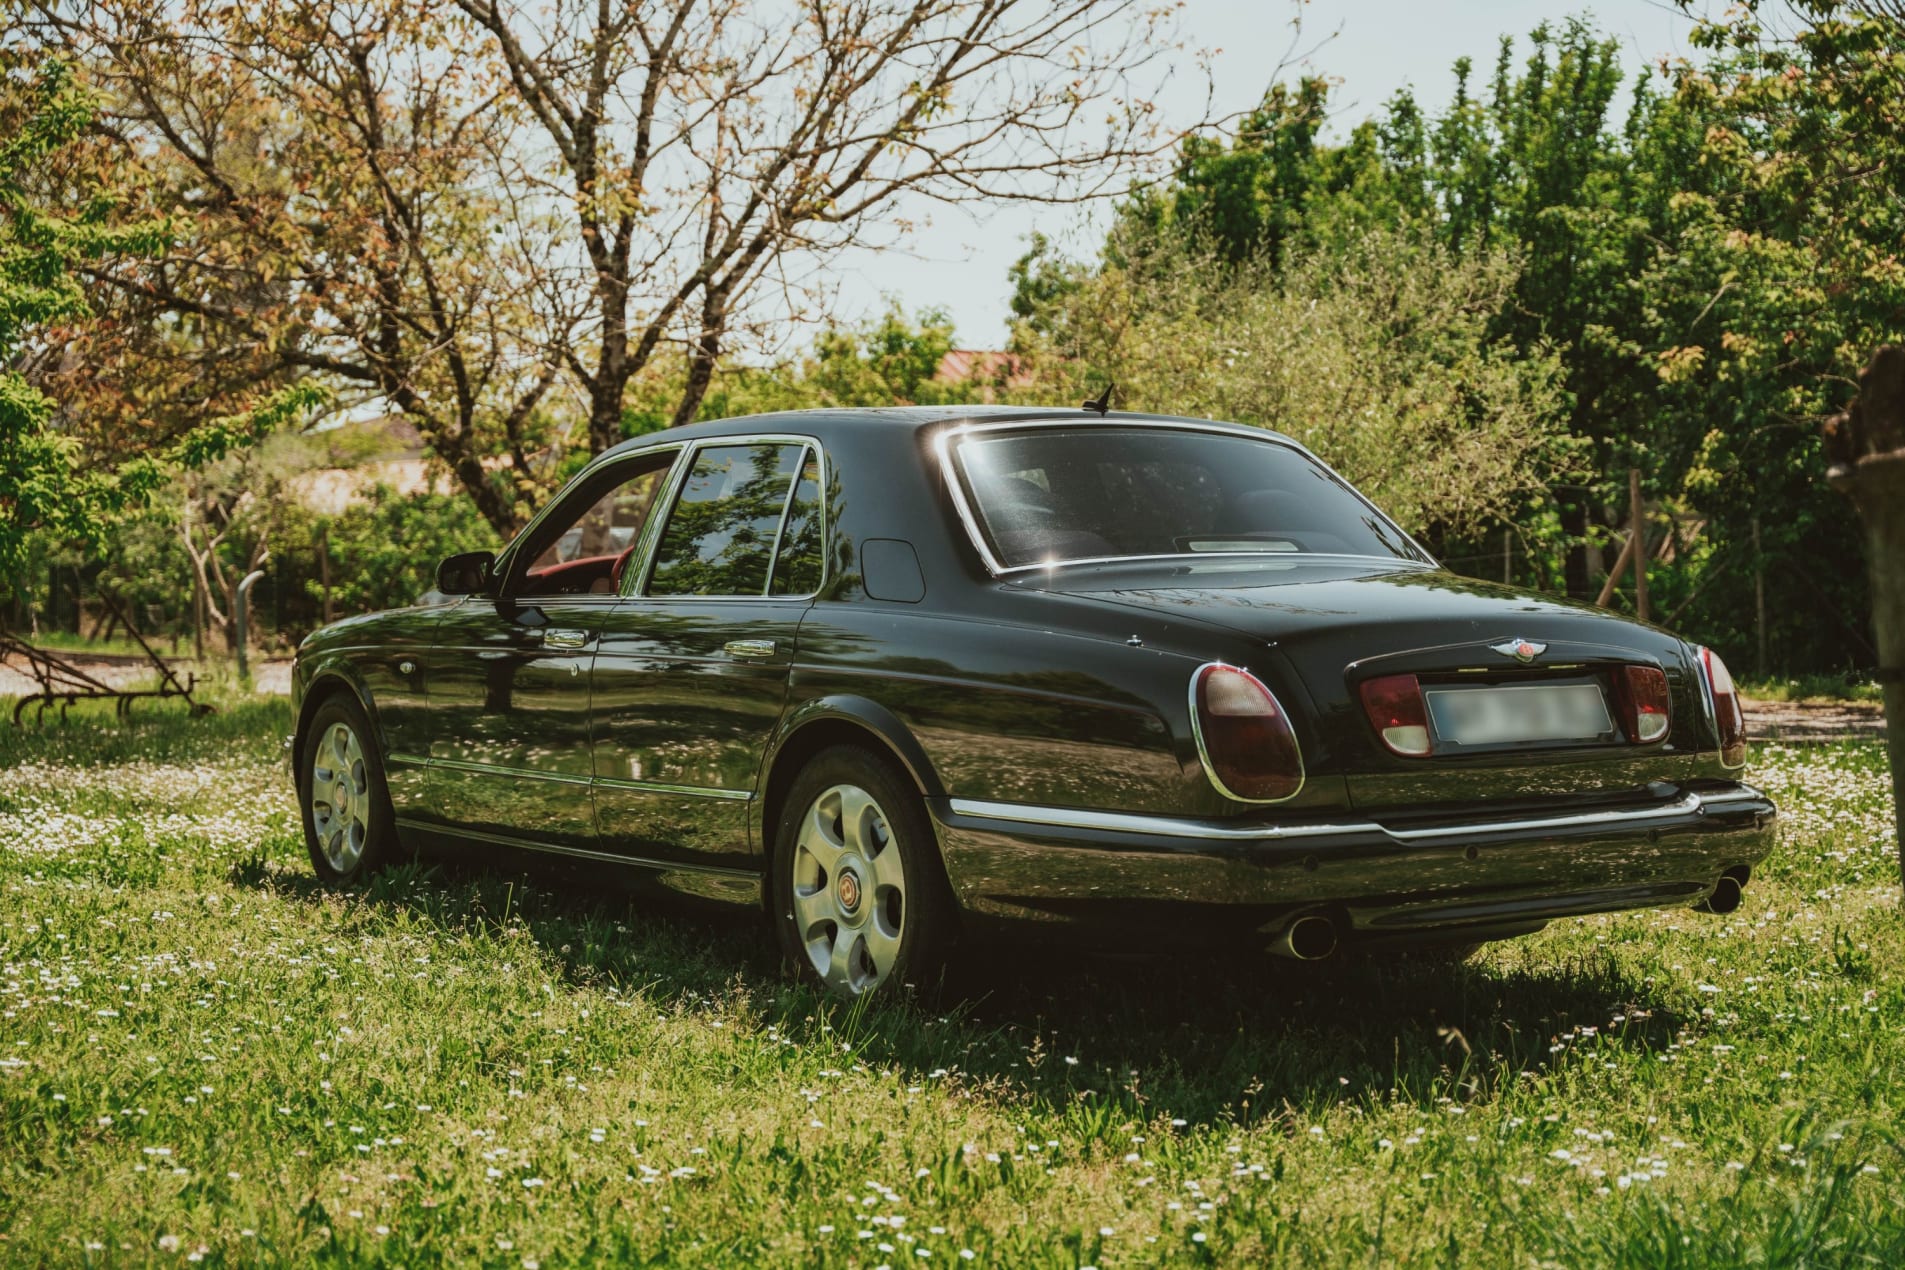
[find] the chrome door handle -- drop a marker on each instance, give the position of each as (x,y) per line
(750,647)
(559,637)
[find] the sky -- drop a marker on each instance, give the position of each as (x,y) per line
(958,262)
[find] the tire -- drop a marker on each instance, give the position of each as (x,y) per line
(349,827)
(860,896)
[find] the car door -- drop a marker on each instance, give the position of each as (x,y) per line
(509,675)
(691,669)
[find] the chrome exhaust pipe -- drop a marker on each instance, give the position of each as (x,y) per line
(1726,896)
(1310,937)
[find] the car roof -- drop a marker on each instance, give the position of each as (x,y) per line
(832,423)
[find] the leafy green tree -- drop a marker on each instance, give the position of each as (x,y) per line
(1376,353)
(42,486)
(1710,250)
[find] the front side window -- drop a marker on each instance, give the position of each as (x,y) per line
(586,552)
(1048,495)
(721,535)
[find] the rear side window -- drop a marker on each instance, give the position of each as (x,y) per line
(798,570)
(721,534)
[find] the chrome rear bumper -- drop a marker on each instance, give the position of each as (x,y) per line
(1078,867)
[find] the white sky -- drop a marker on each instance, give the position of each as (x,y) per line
(959,261)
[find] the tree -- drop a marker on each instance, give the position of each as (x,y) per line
(1377,354)
(1710,253)
(42,489)
(486,215)
(335,169)
(701,145)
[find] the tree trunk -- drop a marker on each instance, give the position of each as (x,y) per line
(707,352)
(1574,523)
(499,511)
(1866,449)
(1636,513)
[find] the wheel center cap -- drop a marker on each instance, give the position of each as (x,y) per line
(849,890)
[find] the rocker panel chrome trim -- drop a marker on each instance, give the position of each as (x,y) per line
(658,787)
(580,853)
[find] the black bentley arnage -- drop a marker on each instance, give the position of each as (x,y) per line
(893,675)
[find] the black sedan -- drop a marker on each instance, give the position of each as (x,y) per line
(896,675)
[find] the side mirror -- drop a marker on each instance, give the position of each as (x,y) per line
(466,574)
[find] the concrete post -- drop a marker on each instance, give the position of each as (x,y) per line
(1865,450)
(240,620)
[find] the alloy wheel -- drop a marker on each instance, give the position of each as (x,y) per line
(849,890)
(339,797)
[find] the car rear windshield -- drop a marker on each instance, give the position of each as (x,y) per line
(1049,495)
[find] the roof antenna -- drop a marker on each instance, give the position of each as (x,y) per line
(1102,402)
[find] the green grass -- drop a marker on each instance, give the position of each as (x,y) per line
(202,1053)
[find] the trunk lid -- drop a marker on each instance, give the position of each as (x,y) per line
(1330,625)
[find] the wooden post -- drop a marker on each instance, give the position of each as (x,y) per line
(1508,557)
(1759,602)
(1639,530)
(1614,574)
(1865,453)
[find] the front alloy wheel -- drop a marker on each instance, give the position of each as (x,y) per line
(349,826)
(858,887)
(340,797)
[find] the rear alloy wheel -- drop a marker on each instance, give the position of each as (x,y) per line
(859,893)
(348,824)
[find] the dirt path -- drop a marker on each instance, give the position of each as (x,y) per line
(268,676)
(1815,720)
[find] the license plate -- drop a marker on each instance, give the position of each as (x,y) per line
(1519,712)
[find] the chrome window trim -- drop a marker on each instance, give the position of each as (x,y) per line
(580,853)
(506,559)
(1689,803)
(1203,754)
(952,473)
(679,477)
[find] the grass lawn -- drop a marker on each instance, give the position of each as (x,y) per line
(204,1057)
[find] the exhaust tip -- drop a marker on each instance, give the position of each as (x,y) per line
(1727,895)
(1311,937)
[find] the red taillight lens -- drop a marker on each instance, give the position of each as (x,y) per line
(1243,736)
(1727,714)
(1645,715)
(1394,705)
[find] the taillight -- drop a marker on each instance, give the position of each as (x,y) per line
(1642,692)
(1394,705)
(1727,714)
(1243,736)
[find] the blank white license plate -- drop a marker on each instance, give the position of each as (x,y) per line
(1520,712)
